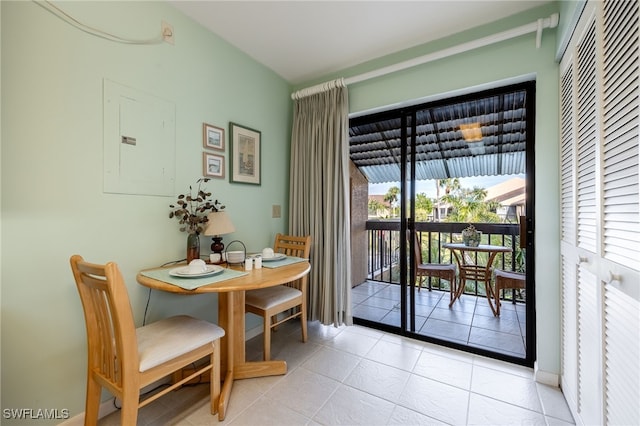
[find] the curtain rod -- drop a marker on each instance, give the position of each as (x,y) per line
(537,27)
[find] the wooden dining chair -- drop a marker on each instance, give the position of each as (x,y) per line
(507,280)
(124,359)
(445,271)
(290,298)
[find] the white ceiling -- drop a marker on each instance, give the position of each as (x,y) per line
(304,40)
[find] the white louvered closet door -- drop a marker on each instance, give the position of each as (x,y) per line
(621,211)
(600,215)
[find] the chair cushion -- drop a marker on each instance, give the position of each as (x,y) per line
(269,297)
(446,271)
(509,279)
(438,266)
(510,275)
(168,338)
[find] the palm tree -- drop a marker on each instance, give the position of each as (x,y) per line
(424,207)
(449,185)
(468,205)
(391,197)
(375,206)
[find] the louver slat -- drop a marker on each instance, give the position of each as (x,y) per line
(569,327)
(588,339)
(586,134)
(566,155)
(621,201)
(622,327)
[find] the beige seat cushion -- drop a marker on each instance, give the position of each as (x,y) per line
(170,337)
(438,267)
(510,275)
(266,298)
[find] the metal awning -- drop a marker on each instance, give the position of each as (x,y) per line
(443,147)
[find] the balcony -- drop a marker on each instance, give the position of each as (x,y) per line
(470,321)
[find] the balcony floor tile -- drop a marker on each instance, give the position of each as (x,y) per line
(469,321)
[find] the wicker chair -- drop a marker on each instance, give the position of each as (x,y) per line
(445,271)
(507,280)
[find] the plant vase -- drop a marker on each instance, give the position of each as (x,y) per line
(471,237)
(193,246)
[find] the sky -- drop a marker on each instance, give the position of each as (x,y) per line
(428,187)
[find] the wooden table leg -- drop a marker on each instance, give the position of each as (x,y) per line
(487,282)
(459,289)
(231,318)
(226,321)
(243,369)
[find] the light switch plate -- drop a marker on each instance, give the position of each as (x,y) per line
(276,211)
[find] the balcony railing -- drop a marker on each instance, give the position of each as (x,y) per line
(384,250)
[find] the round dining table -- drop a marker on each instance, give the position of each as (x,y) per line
(231,300)
(470,270)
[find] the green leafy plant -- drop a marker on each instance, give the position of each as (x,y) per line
(471,236)
(469,231)
(191,209)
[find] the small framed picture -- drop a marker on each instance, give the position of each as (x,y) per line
(212,137)
(244,151)
(213,165)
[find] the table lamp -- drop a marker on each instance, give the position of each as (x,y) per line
(217,225)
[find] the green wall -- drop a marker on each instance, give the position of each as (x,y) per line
(53,205)
(51,156)
(515,59)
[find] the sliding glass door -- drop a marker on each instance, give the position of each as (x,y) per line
(432,170)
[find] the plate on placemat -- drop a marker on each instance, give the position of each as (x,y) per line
(183,272)
(277,256)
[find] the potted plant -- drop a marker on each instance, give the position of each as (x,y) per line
(191,210)
(471,236)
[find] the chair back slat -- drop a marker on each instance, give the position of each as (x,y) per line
(292,245)
(109,321)
(108,353)
(417,252)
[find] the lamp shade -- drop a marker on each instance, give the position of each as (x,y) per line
(219,224)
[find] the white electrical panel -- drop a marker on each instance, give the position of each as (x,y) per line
(139,142)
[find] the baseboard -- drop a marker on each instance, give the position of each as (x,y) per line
(106,408)
(545,377)
(253,332)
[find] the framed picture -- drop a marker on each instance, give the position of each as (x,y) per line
(212,137)
(213,165)
(244,152)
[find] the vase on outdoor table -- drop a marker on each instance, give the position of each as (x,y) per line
(471,236)
(193,247)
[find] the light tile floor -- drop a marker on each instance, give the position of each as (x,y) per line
(359,376)
(469,321)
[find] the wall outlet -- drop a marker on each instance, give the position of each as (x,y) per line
(276,211)
(166,29)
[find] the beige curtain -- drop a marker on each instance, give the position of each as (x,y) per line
(319,199)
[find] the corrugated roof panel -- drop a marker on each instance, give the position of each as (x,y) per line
(381,173)
(484,165)
(480,165)
(441,150)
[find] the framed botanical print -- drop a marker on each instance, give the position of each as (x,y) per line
(244,152)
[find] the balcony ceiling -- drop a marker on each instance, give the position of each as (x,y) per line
(441,149)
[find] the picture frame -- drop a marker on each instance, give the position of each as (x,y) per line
(245,154)
(212,137)
(212,165)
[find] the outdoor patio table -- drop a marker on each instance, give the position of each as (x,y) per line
(469,270)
